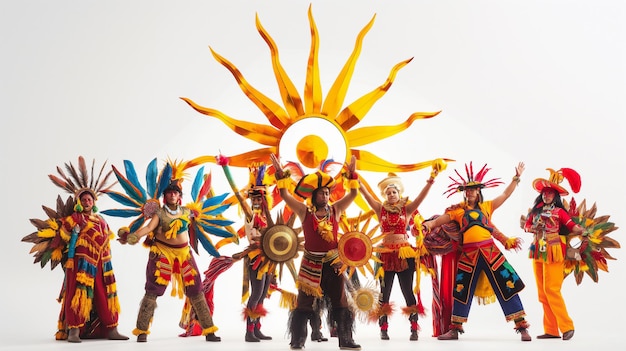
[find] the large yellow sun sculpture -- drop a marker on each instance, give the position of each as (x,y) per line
(302,116)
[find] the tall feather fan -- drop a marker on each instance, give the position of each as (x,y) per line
(208,217)
(143,204)
(48,244)
(592,245)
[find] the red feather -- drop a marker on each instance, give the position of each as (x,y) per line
(206,186)
(573,178)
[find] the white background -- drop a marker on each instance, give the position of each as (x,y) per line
(536,81)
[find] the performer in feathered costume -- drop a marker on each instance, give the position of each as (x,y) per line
(171,259)
(481,264)
(399,258)
(78,237)
(554,223)
(256,282)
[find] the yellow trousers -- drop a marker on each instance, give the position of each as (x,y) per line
(549,278)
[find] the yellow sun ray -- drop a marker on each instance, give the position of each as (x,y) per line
(367,135)
(287,89)
(354,113)
(313,87)
(328,112)
(338,90)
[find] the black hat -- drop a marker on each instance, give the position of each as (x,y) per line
(174,186)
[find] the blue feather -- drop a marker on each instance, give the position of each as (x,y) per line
(164,179)
(218,210)
(123,199)
(121,213)
(260,175)
(214,200)
(325,163)
(216,222)
(217,231)
(136,224)
(151,178)
(197,184)
(208,245)
(131,175)
(129,188)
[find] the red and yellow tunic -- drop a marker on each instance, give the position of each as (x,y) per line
(548,245)
(393,224)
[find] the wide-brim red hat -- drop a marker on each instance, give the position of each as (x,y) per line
(556,177)
(539,184)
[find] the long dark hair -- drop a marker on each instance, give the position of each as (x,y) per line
(538,207)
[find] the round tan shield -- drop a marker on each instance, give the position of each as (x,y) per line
(365,299)
(355,249)
(280,243)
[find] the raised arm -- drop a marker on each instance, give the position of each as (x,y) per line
(371,200)
(298,207)
(499,200)
(342,204)
(412,206)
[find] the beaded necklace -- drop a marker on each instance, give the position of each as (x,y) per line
(172,212)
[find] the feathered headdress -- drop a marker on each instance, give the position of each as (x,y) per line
(556,177)
(472,180)
(81,180)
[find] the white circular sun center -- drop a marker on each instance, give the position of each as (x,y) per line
(312,140)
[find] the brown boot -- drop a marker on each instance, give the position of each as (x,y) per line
(74,335)
(521,326)
(204,315)
(524,334)
(212,337)
(144,318)
(452,334)
(115,335)
(568,335)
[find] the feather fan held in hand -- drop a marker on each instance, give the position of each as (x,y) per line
(207,209)
(144,201)
(49,244)
(207,215)
(593,243)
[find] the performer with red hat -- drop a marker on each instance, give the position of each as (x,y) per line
(550,223)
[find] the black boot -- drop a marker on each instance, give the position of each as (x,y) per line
(250,337)
(257,331)
(316,328)
(345,323)
(298,329)
(414,326)
(382,323)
